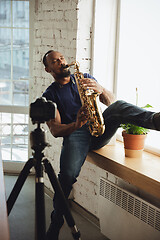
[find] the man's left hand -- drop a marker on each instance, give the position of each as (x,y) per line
(92,84)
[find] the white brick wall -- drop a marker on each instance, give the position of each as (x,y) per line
(65,26)
(86,189)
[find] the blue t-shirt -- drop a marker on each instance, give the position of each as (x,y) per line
(66,97)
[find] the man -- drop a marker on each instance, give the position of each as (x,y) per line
(71,124)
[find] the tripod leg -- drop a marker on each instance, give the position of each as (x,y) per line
(40,203)
(19,183)
(57,187)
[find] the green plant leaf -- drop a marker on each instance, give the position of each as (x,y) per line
(133,129)
(147,106)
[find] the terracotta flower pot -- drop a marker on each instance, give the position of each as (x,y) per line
(133,144)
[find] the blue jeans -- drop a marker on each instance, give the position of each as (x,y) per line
(77,145)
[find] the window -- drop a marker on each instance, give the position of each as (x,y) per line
(129,29)
(138,61)
(14,79)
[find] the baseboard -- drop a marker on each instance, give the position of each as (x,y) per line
(84,213)
(48,192)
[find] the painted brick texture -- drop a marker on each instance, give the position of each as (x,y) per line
(65,26)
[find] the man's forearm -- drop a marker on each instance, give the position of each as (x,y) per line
(61,130)
(107,97)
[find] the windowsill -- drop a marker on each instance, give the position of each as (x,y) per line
(141,172)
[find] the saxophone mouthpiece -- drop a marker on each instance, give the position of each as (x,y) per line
(68,65)
(65,66)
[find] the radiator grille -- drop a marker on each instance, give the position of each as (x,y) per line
(130,203)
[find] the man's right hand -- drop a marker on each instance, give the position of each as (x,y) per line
(82,117)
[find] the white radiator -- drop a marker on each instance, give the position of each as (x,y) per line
(124,216)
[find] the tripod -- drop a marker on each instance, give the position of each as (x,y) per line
(38,144)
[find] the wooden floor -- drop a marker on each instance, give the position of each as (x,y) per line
(22,216)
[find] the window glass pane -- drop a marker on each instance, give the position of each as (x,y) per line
(20,93)
(20,124)
(5,124)
(5,129)
(20,118)
(20,141)
(18,129)
(6,148)
(5,118)
(20,153)
(20,137)
(5,93)
(5,13)
(6,140)
(139,52)
(5,135)
(5,53)
(14,136)
(21,14)
(20,53)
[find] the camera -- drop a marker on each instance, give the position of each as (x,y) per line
(42,110)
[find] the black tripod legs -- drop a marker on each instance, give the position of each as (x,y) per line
(63,202)
(40,202)
(40,227)
(19,184)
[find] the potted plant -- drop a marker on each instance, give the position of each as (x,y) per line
(134,138)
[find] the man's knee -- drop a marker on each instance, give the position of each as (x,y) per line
(118,103)
(114,108)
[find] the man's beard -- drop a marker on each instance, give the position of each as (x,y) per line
(64,73)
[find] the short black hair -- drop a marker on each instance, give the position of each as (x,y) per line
(45,57)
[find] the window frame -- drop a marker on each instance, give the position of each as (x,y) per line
(14,166)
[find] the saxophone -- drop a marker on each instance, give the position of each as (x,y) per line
(90,100)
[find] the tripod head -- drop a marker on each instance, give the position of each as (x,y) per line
(37,139)
(40,112)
